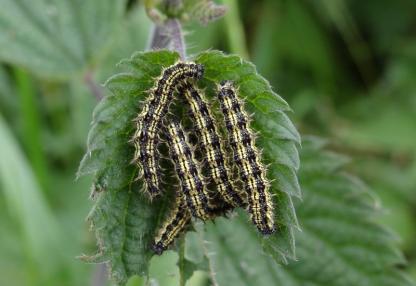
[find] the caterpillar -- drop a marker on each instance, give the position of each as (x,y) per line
(247,158)
(173,225)
(188,172)
(207,131)
(148,121)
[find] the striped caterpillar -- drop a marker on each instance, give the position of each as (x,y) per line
(206,130)
(246,157)
(192,188)
(188,171)
(173,225)
(149,120)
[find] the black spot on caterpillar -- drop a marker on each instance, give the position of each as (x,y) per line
(211,145)
(149,120)
(188,172)
(247,158)
(173,225)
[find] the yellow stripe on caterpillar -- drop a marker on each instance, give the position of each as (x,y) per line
(247,158)
(211,144)
(189,172)
(173,225)
(149,120)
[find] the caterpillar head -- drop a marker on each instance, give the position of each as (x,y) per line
(199,69)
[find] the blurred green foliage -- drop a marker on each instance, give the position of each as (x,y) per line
(347,68)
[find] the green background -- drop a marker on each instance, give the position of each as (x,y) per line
(347,68)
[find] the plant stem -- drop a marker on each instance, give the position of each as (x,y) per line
(181,262)
(176,37)
(95,89)
(159,38)
(235,29)
(167,35)
(100,275)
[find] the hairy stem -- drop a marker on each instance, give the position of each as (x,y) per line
(169,35)
(95,89)
(166,34)
(159,38)
(176,37)
(100,275)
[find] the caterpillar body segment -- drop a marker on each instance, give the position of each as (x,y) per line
(174,224)
(247,158)
(149,120)
(211,145)
(189,173)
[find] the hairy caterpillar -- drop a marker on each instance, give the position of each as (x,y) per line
(148,121)
(211,145)
(247,158)
(176,222)
(188,172)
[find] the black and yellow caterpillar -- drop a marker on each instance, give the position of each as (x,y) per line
(193,199)
(247,158)
(149,120)
(207,132)
(188,171)
(174,224)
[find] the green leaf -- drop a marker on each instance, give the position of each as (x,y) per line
(277,137)
(194,258)
(131,36)
(8,102)
(56,39)
(27,205)
(285,58)
(341,244)
(6,89)
(123,219)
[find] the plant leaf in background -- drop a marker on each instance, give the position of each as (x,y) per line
(294,27)
(204,11)
(56,39)
(124,221)
(340,243)
(7,102)
(27,205)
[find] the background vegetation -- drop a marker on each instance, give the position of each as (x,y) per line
(347,68)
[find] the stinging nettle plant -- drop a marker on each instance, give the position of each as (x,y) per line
(335,214)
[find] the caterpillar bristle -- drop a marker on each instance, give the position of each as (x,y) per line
(211,144)
(214,169)
(148,121)
(173,225)
(247,158)
(188,172)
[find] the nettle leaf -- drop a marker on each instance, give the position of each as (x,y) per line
(276,136)
(124,220)
(340,243)
(56,39)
